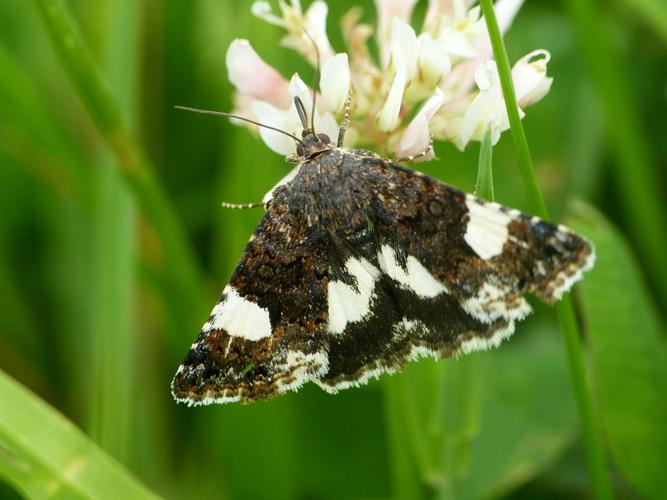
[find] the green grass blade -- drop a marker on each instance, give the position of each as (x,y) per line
(179,263)
(484,184)
(112,335)
(46,456)
(654,13)
(564,309)
(405,481)
(629,356)
(637,181)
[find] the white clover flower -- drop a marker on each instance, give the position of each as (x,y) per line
(446,71)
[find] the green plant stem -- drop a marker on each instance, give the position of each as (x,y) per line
(565,312)
(178,262)
(484,184)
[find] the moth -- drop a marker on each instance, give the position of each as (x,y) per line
(360,265)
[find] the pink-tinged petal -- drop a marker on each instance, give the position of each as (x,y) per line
(388,118)
(530,77)
(458,43)
(264,11)
(387,10)
(316,23)
(506,11)
(441,13)
(326,124)
(433,61)
(404,48)
(416,136)
(313,22)
(297,88)
(335,82)
(270,115)
(487,112)
(253,77)
(462,76)
(484,108)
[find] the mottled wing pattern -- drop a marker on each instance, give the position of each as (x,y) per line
(360,265)
(447,272)
(265,335)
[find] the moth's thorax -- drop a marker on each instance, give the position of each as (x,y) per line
(331,192)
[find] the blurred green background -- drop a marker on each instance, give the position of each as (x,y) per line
(114,249)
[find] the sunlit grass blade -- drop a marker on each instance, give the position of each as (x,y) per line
(112,336)
(44,455)
(564,309)
(35,135)
(179,264)
(628,354)
(654,13)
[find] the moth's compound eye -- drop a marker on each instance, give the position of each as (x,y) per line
(324,138)
(300,150)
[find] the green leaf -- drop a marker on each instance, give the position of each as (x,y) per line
(629,356)
(528,415)
(46,456)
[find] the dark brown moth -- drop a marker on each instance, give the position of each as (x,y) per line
(359,265)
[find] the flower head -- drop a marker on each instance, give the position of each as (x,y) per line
(445,72)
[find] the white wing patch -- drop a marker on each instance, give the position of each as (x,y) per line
(347,304)
(239,317)
(486,232)
(414,276)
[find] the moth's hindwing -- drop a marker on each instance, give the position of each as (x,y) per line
(360,265)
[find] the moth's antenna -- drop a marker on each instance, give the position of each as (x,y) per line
(301,111)
(317,78)
(242,118)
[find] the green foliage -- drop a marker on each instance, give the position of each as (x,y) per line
(46,456)
(110,211)
(628,354)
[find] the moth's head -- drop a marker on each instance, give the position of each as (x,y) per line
(311,144)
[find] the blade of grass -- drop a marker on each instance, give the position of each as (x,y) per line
(179,263)
(35,136)
(564,309)
(45,455)
(654,13)
(636,179)
(403,472)
(484,184)
(112,335)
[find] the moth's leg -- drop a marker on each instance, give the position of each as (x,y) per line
(241,205)
(346,120)
(418,155)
